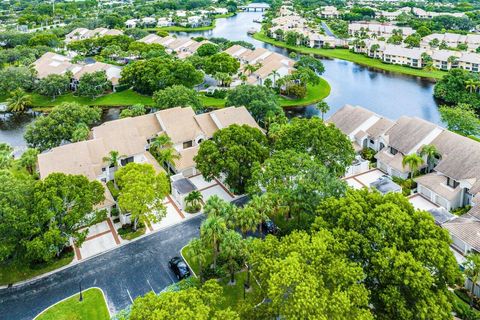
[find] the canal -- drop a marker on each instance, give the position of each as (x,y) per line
(389,94)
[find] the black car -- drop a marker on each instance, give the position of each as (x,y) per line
(269,227)
(179,267)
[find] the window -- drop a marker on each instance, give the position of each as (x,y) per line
(126,161)
(371,141)
(452,183)
(187,144)
(393,151)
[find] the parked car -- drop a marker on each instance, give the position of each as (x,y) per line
(269,227)
(179,267)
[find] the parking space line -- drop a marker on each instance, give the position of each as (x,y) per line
(128,292)
(168,273)
(151,286)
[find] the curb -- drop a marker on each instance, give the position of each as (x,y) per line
(48,308)
(74,263)
(181,253)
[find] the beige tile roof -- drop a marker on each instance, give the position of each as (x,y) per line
(438,184)
(206,123)
(393,161)
(349,118)
(179,124)
(408,132)
(460,156)
(465,228)
(151,160)
(186,158)
(151,38)
(380,127)
(108,202)
(52,63)
(236,49)
(233,115)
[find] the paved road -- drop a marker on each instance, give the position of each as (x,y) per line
(327,30)
(123,274)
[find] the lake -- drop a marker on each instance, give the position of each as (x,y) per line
(389,94)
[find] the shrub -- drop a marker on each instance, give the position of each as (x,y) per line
(296,90)
(127,232)
(113,190)
(193,208)
(368,154)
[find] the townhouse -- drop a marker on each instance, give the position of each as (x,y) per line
(54,63)
(451,40)
(271,65)
(183,47)
(131,138)
(377,29)
(422,14)
(329,12)
(83,33)
(452,182)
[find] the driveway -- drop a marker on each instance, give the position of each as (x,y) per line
(123,274)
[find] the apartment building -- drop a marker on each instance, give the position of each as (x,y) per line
(83,33)
(452,40)
(377,29)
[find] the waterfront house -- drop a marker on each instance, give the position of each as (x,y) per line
(54,63)
(83,33)
(451,40)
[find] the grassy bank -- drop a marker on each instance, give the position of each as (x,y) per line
(16,271)
(130,97)
(314,94)
(345,54)
(93,306)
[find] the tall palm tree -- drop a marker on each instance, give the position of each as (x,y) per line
(263,206)
(198,255)
(18,101)
(413,161)
(323,107)
(243,78)
(472,271)
(232,249)
(275,74)
(471,85)
(431,152)
(247,219)
(162,149)
(212,231)
(112,161)
(250,68)
(194,198)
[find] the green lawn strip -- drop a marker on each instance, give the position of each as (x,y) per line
(346,54)
(127,233)
(314,94)
(93,306)
(15,271)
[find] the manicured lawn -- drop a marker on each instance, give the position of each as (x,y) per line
(16,271)
(127,233)
(314,95)
(212,102)
(93,307)
(346,54)
(116,99)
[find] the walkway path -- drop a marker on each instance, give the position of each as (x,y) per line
(327,30)
(123,274)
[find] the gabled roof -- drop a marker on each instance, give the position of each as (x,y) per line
(179,124)
(233,115)
(408,132)
(465,228)
(349,118)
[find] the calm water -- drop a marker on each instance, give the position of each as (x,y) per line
(388,94)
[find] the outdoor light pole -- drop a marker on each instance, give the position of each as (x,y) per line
(80,285)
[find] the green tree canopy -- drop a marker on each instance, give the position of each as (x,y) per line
(12,78)
(148,76)
(53,85)
(232,152)
(208,49)
(202,303)
(325,143)
(49,131)
(461,119)
(93,84)
(133,111)
(177,96)
(142,191)
(406,258)
(221,63)
(452,89)
(259,100)
(311,63)
(307,277)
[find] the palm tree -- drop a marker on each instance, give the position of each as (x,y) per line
(243,78)
(112,161)
(472,271)
(275,74)
(250,68)
(471,85)
(212,231)
(194,199)
(431,152)
(413,161)
(263,206)
(232,248)
(18,101)
(323,107)
(198,255)
(247,219)
(162,149)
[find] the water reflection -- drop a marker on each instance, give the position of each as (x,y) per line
(388,94)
